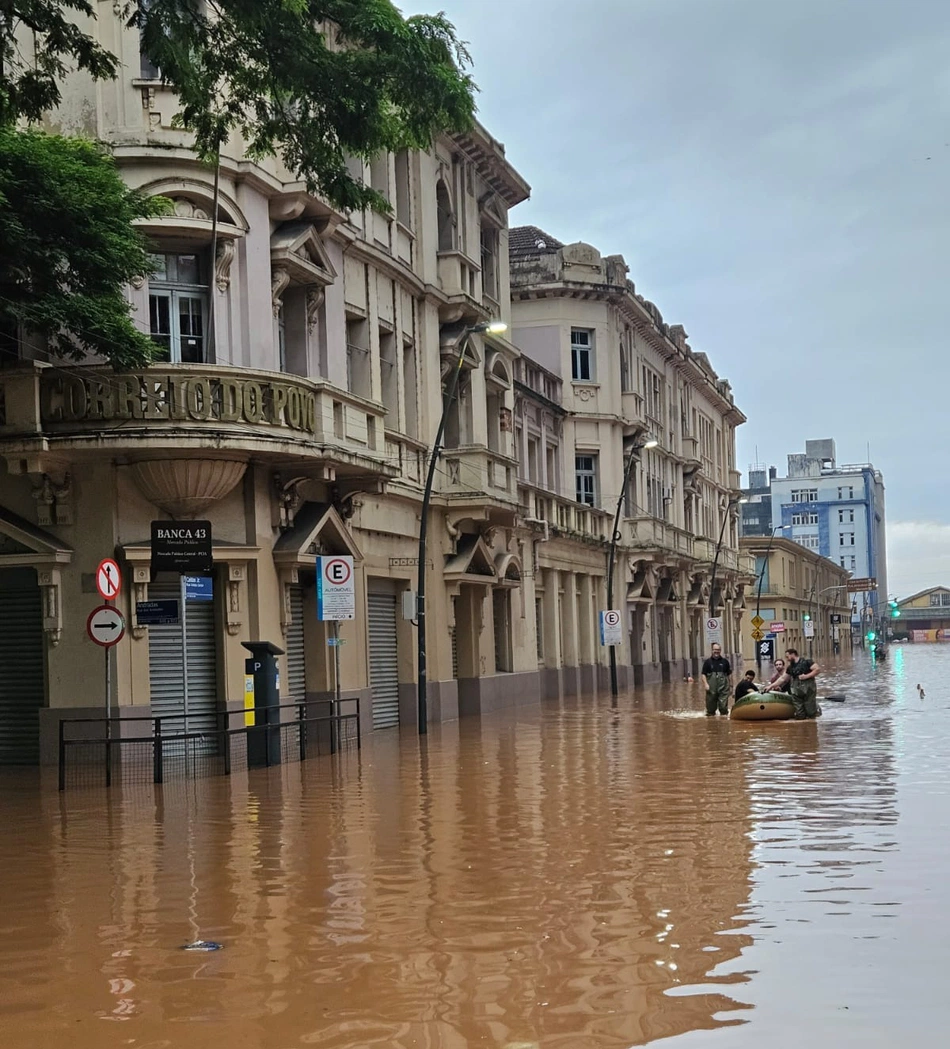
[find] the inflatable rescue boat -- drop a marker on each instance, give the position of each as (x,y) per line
(763,706)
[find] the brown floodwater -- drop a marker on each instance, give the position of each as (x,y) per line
(578,877)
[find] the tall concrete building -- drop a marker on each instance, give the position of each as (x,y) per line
(836,510)
(625,376)
(755,516)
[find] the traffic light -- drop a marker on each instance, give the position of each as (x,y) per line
(806,617)
(895,611)
(871,635)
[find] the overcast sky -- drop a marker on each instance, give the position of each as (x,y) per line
(777,175)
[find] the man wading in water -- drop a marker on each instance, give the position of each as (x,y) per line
(804,690)
(716,674)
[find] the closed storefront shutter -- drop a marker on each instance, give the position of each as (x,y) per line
(383,665)
(165,666)
(296,655)
(22,681)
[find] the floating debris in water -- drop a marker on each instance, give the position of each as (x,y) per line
(203,945)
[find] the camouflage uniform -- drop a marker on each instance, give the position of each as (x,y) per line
(804,693)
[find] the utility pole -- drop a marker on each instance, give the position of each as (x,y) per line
(450,391)
(615,536)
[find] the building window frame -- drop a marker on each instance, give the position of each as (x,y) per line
(846,539)
(177,304)
(804,495)
(585,478)
(582,355)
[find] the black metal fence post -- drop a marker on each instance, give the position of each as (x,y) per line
(302,730)
(158,754)
(62,754)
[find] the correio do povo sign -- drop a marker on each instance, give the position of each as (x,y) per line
(182,546)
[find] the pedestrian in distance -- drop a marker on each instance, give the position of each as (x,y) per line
(746,685)
(716,675)
(804,689)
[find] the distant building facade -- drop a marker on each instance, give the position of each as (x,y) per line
(755,512)
(798,586)
(837,511)
(625,376)
(924,616)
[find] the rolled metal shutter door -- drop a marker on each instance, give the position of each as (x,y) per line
(165,667)
(22,680)
(296,654)
(383,660)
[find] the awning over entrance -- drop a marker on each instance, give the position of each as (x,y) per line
(318,528)
(472,563)
(25,545)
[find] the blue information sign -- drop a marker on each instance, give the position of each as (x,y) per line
(156,613)
(198,588)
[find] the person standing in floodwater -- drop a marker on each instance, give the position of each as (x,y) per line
(804,689)
(716,674)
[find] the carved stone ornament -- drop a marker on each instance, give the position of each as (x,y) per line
(289,500)
(52,500)
(316,296)
(222,264)
(187,209)
(140,579)
(279,279)
(50,580)
(186,487)
(138,281)
(237,578)
(288,578)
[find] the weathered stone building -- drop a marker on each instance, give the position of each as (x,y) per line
(294,409)
(628,376)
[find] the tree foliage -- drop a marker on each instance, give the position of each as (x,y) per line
(39,42)
(70,246)
(313,81)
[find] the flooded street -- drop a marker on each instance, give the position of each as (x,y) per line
(571,878)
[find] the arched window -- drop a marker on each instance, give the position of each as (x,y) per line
(446,217)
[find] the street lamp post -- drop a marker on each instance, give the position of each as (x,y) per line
(758,593)
(449,396)
(715,564)
(650,442)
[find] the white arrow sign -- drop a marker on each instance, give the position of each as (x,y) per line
(105,626)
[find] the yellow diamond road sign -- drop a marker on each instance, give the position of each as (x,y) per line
(757,621)
(757,634)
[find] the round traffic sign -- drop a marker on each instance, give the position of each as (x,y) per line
(337,571)
(611,617)
(105,626)
(108,579)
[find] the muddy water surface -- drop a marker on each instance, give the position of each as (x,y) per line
(578,877)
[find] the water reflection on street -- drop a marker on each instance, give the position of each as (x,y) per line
(579,877)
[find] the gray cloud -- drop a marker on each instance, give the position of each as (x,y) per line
(763,168)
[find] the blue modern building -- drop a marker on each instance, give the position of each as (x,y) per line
(837,511)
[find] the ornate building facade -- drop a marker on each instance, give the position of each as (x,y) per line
(631,379)
(294,407)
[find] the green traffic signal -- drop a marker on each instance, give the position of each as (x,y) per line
(896,613)
(871,635)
